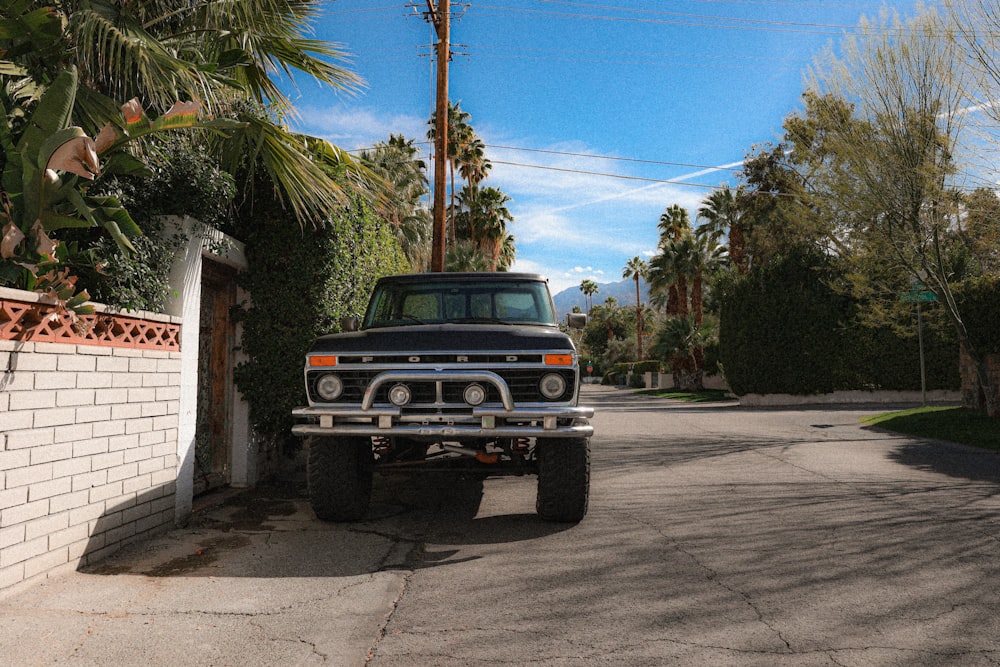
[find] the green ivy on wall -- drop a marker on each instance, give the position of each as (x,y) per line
(301,282)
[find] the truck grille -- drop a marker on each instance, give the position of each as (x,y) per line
(523,384)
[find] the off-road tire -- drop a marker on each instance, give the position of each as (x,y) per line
(339,472)
(563,479)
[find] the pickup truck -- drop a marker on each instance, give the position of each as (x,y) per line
(447,371)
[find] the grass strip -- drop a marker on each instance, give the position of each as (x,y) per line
(953,424)
(704,396)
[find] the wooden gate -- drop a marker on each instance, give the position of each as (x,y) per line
(216,342)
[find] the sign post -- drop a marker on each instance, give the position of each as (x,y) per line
(919,294)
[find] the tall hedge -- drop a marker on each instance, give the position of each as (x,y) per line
(979,302)
(301,282)
(785,329)
(780,327)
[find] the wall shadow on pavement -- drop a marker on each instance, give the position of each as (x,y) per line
(271,532)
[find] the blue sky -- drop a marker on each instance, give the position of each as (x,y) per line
(667,96)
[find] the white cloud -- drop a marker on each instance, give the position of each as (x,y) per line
(356,128)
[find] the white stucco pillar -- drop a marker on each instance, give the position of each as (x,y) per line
(185,302)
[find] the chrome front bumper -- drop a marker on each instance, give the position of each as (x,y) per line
(486,422)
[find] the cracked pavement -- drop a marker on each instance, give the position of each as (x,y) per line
(716,536)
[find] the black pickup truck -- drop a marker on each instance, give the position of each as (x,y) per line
(447,371)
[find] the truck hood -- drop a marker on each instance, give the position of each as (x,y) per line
(445,338)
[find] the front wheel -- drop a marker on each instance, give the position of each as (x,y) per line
(563,478)
(339,472)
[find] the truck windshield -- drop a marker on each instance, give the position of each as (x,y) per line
(505,302)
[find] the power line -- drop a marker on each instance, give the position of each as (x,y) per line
(695,20)
(603,174)
(609,157)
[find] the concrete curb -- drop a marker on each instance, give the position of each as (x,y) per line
(937,397)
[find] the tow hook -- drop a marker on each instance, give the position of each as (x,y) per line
(483,457)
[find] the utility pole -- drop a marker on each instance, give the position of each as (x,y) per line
(439,16)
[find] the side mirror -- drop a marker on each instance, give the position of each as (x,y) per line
(576,320)
(349,323)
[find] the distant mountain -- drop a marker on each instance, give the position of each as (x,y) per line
(623,292)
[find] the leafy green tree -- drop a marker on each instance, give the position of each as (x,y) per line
(41,192)
(216,53)
(182,179)
(607,322)
(907,83)
(980,233)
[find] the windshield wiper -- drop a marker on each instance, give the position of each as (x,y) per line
(481,320)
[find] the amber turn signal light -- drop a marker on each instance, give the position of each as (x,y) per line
(323,361)
(558,359)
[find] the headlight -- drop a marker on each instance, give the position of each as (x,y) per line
(329,387)
(399,395)
(474,394)
(552,385)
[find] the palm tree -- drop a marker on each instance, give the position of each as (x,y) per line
(482,219)
(705,256)
(508,253)
(489,223)
(674,222)
(685,261)
(677,342)
(589,289)
(472,162)
(465,257)
(635,269)
(220,54)
(402,205)
(723,213)
(671,279)
(460,135)
(668,277)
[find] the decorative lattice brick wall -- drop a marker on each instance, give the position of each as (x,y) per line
(88,434)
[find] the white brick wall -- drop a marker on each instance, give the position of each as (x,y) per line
(88,462)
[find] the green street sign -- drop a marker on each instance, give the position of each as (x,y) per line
(918,296)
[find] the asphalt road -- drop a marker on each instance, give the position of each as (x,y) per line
(716,536)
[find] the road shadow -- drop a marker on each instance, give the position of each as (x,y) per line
(271,531)
(946,458)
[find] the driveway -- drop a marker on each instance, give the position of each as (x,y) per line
(716,536)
